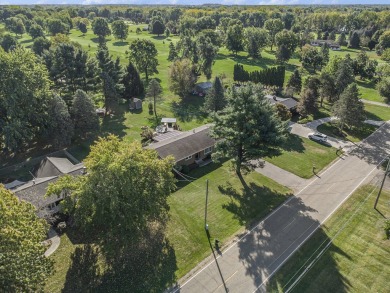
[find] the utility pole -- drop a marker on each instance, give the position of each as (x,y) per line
(206,226)
(383,181)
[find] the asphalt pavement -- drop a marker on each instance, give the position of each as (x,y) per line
(247,264)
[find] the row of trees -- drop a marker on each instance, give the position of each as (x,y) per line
(272,77)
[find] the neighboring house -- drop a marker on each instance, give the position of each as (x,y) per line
(332,44)
(203,88)
(48,171)
(190,148)
(135,104)
(290,103)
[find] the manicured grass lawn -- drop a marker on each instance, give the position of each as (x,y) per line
(375,112)
(356,261)
(353,135)
(299,154)
(231,207)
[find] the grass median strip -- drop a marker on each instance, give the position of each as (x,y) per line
(357,259)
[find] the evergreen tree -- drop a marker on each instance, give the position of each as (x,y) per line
(172,52)
(83,114)
(295,81)
(154,92)
(354,41)
(344,75)
(60,128)
(215,99)
(132,82)
(349,109)
(282,54)
(110,75)
(328,88)
(247,128)
(325,54)
(308,103)
(342,39)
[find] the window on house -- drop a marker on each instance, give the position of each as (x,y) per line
(207,150)
(188,158)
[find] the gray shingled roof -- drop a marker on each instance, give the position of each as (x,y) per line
(49,170)
(288,102)
(184,145)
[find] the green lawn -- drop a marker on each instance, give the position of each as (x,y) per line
(231,207)
(356,261)
(375,112)
(299,154)
(354,135)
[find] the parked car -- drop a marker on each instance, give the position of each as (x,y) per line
(318,136)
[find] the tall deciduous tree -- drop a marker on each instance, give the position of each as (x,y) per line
(255,40)
(132,82)
(310,57)
(273,25)
(23,266)
(383,88)
(120,29)
(8,42)
(41,44)
(158,27)
(349,109)
(247,128)
(289,41)
(100,28)
(126,188)
(56,26)
(235,38)
(154,92)
(36,31)
(24,92)
(324,54)
(344,74)
(83,115)
(215,99)
(182,77)
(144,55)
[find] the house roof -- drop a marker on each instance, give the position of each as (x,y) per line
(136,100)
(288,102)
(49,170)
(168,120)
(329,42)
(186,144)
(204,85)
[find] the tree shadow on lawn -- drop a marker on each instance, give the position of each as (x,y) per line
(323,276)
(252,202)
(120,43)
(159,37)
(293,143)
(189,108)
(115,124)
(147,264)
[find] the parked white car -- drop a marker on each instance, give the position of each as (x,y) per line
(318,136)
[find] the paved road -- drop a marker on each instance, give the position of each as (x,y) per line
(248,263)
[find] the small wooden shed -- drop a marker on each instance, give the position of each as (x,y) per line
(135,104)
